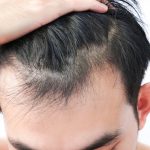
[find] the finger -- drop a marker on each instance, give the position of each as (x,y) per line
(99,7)
(93,5)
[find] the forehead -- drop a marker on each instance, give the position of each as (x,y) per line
(91,111)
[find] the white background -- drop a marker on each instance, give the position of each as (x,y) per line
(144,135)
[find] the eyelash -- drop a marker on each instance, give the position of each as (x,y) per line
(98,148)
(22,149)
(113,148)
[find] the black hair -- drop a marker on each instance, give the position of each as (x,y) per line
(58,57)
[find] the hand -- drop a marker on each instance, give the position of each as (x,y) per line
(19,17)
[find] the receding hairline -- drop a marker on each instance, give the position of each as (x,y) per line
(56,100)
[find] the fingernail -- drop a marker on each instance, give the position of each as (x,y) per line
(104,7)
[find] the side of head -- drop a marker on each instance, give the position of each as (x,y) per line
(90,58)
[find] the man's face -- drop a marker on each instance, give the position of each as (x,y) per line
(98,114)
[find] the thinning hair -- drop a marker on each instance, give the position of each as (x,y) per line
(58,57)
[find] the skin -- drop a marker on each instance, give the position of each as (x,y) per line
(100,109)
(78,123)
(3,144)
(33,14)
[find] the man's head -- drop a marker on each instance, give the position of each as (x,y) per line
(76,80)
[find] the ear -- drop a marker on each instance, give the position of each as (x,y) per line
(143,104)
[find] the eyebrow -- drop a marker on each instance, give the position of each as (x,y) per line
(104,140)
(19,145)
